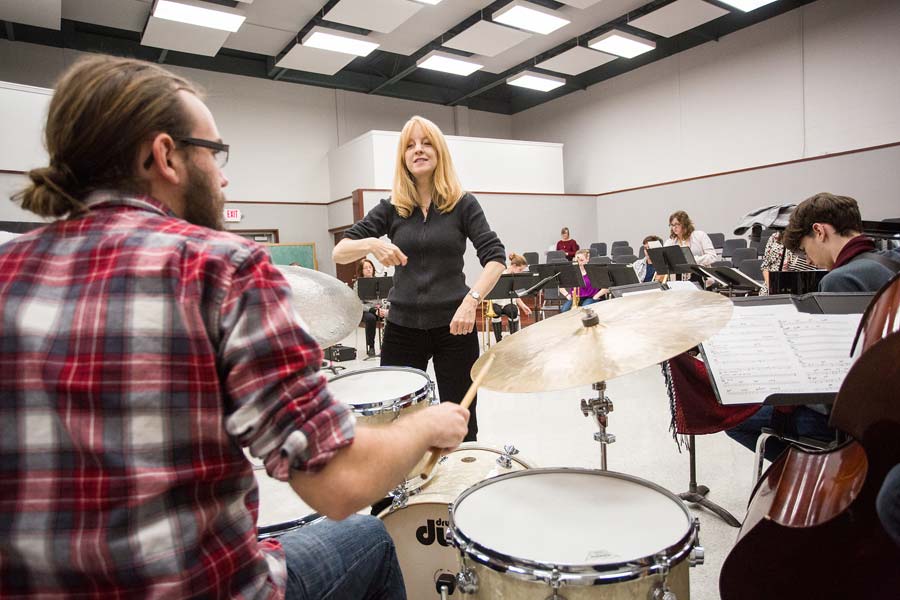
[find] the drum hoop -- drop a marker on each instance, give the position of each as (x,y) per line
(583,574)
(371,409)
(412,491)
(264,532)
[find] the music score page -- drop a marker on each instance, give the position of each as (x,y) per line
(775,349)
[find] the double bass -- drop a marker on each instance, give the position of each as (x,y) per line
(811,529)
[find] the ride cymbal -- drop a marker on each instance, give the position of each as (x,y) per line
(629,334)
(329,306)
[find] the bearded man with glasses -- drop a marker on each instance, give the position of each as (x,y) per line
(144,350)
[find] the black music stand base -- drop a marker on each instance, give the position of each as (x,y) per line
(696,494)
(328,365)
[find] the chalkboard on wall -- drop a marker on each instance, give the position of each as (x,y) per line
(303,254)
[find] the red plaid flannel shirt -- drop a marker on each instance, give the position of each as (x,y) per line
(139,355)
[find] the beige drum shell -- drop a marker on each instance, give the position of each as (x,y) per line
(457,471)
(608,512)
(497,586)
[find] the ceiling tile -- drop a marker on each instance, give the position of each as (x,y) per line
(576,61)
(282,14)
(487,39)
(39,13)
(314,60)
(182,37)
(261,40)
(580,3)
(121,14)
(427,25)
(679,16)
(375,15)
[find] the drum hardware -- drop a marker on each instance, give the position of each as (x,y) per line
(466,578)
(663,592)
(554,576)
(600,408)
(505,459)
(698,554)
(399,496)
(445,584)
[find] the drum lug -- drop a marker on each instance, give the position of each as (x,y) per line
(505,459)
(399,496)
(663,593)
(698,554)
(467,581)
(554,584)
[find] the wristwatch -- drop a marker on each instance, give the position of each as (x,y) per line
(475,295)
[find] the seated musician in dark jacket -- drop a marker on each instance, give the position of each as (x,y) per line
(827,228)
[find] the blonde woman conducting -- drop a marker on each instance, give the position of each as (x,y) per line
(428,219)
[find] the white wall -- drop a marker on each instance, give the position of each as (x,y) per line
(24,109)
(820,79)
(486,165)
(340,213)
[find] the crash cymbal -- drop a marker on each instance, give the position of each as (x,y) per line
(630,333)
(329,306)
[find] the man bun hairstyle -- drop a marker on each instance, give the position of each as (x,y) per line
(102,110)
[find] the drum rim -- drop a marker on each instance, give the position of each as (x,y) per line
(581,574)
(264,532)
(420,488)
(371,409)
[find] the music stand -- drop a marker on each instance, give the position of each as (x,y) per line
(374,289)
(569,274)
(672,260)
(734,279)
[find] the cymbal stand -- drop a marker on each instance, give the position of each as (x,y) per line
(600,407)
(696,494)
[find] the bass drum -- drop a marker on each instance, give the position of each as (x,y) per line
(419,527)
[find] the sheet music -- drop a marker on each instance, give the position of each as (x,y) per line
(773,349)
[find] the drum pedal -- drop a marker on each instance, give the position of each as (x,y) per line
(445,584)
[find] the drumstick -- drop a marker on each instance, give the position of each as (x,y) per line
(466,401)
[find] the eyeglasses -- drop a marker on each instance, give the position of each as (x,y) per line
(220,150)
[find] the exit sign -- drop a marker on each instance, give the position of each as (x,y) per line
(233,215)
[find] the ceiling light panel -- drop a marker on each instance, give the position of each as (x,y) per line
(375,15)
(576,61)
(747,5)
(313,60)
(39,13)
(678,17)
(621,44)
(338,41)
(530,17)
(431,2)
(192,14)
(536,81)
(487,39)
(447,63)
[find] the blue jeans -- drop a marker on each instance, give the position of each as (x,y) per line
(804,422)
(351,559)
(581,302)
(888,504)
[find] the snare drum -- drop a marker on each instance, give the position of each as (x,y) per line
(572,534)
(380,394)
(419,527)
